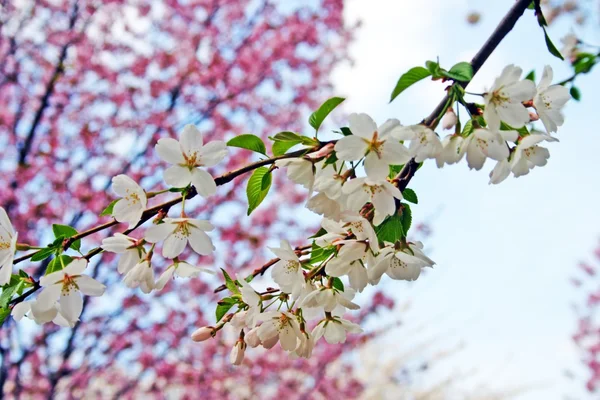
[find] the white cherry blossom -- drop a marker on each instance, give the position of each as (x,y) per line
(449,119)
(424,143)
(187,155)
(350,261)
(8,246)
(570,44)
(368,140)
(133,202)
(397,264)
(528,154)
(334,330)
(500,172)
(381,194)
(300,171)
(33,310)
(549,101)
(305,347)
(142,276)
(131,253)
(329,299)
(177,232)
(504,100)
(65,286)
(324,205)
(329,180)
(453,150)
(287,272)
(483,143)
(280,324)
(252,299)
(180,269)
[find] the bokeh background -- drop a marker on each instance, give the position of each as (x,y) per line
(86,89)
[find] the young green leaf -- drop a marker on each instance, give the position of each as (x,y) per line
(551,47)
(575,93)
(4,314)
(255,192)
(406,217)
(230,283)
(44,253)
(8,291)
(249,142)
(409,78)
(531,75)
(66,231)
(223,306)
(390,230)
(318,254)
(317,118)
(109,208)
(283,141)
(463,72)
(338,284)
(410,195)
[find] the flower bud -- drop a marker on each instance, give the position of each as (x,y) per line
(449,119)
(533,116)
(252,338)
(202,334)
(237,353)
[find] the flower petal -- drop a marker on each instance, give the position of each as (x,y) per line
(203,182)
(169,150)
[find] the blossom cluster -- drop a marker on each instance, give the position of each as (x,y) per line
(355,183)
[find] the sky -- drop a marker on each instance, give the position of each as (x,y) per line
(504,253)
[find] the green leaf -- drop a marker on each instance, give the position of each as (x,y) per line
(8,291)
(4,313)
(230,283)
(44,253)
(331,159)
(346,131)
(255,192)
(433,67)
(584,62)
(319,233)
(223,306)
(338,284)
(468,128)
(411,77)
(265,182)
(250,142)
(66,231)
(390,230)
(286,140)
(531,75)
(109,208)
(317,118)
(406,215)
(575,93)
(395,170)
(318,254)
(57,263)
(551,47)
(531,5)
(463,72)
(410,195)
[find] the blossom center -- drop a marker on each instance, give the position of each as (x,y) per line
(183,230)
(376,145)
(68,285)
(192,160)
(498,98)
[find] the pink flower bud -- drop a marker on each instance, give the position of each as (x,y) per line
(202,334)
(237,353)
(449,119)
(325,151)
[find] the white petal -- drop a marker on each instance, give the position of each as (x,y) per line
(174,245)
(213,153)
(191,139)
(351,148)
(158,233)
(376,168)
(201,242)
(203,182)
(71,305)
(177,176)
(89,286)
(362,125)
(164,278)
(76,267)
(335,333)
(169,150)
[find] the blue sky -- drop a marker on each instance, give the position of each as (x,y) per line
(504,253)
